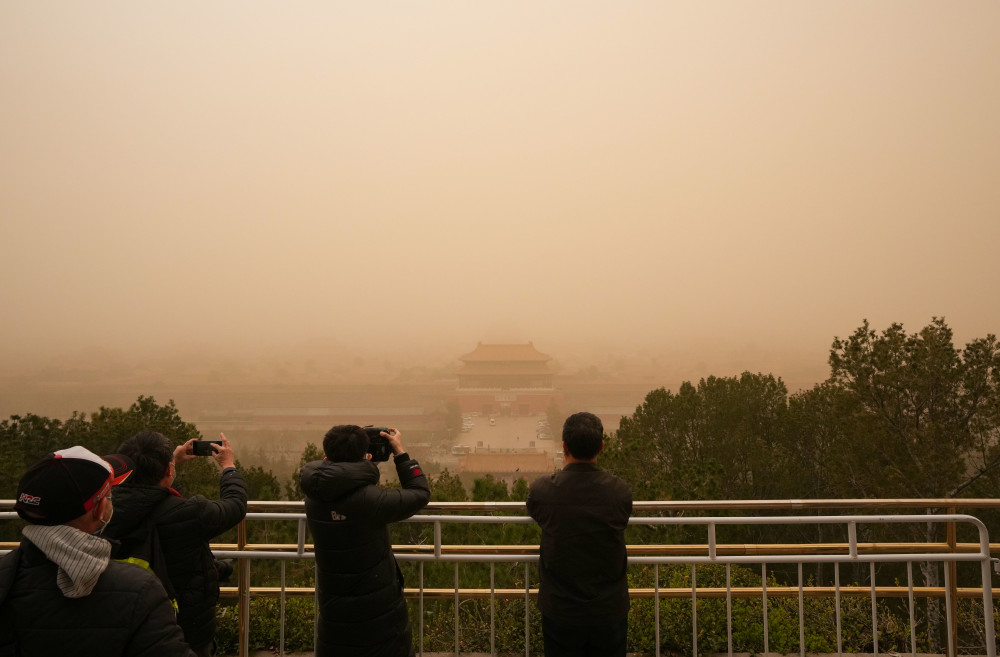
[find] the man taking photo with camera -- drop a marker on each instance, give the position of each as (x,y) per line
(362,611)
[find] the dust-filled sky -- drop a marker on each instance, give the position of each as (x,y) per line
(690,178)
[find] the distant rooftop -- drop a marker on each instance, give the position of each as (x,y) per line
(505,353)
(491,462)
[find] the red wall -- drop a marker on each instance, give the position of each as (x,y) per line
(519,404)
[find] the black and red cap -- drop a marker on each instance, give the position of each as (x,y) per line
(64,485)
(121,467)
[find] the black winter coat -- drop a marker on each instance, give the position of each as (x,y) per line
(185,527)
(362,609)
(127,614)
(583,512)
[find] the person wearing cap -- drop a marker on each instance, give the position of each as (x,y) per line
(60,591)
(184,526)
(583,512)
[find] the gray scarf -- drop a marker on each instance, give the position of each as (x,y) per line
(81,557)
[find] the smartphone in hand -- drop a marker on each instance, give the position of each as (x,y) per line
(204,447)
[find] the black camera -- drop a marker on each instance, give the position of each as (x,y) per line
(378,445)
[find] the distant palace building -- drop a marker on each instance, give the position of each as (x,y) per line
(505,379)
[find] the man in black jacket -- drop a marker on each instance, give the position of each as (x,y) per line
(183,526)
(583,512)
(362,611)
(60,591)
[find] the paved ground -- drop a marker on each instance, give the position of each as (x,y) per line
(505,433)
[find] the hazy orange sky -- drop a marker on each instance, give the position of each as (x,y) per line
(695,178)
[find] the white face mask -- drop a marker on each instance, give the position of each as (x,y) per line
(105,521)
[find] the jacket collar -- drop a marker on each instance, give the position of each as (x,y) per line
(581,467)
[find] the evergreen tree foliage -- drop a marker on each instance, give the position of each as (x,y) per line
(489,489)
(447,487)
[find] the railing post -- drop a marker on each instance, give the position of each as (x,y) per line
(281,639)
(987,576)
(729,609)
(493,610)
(836,590)
(871,577)
(802,617)
(527,626)
(947,605)
(243,594)
(421,608)
(694,610)
(952,587)
(457,606)
(913,620)
(763,589)
(315,606)
(656,606)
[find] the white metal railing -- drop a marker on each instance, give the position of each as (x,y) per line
(850,555)
(981,556)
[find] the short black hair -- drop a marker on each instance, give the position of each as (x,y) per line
(152,453)
(346,442)
(583,434)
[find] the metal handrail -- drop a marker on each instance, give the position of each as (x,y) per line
(639,506)
(852,551)
(264,506)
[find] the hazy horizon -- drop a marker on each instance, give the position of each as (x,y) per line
(689,188)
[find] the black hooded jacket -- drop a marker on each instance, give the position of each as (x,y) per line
(362,609)
(126,615)
(185,527)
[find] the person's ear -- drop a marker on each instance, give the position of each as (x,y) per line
(106,503)
(95,517)
(368,457)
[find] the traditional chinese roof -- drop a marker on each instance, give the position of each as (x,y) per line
(505,369)
(501,463)
(524,353)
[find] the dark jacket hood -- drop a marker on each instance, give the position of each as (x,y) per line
(133,505)
(330,480)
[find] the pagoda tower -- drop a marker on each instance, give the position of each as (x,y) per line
(505,379)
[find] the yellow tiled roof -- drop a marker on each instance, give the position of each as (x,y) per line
(505,352)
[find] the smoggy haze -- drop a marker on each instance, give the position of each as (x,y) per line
(714,184)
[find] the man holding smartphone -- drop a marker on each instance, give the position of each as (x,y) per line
(362,611)
(151,514)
